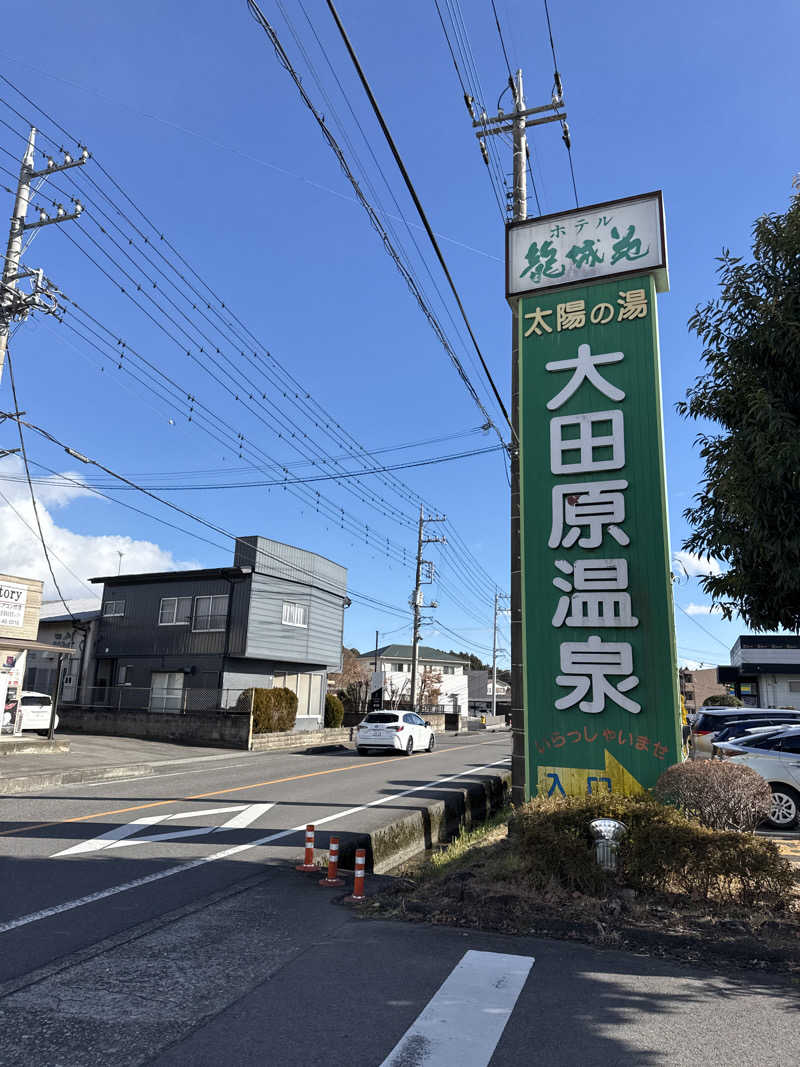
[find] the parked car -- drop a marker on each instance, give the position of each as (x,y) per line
(776,757)
(397,730)
(35,709)
(747,727)
(709,721)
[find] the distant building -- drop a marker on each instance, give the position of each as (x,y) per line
(75,634)
(391,683)
(194,640)
(480,694)
(764,671)
(698,685)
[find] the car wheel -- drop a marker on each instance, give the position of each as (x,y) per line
(431,743)
(362,751)
(785,811)
(410,747)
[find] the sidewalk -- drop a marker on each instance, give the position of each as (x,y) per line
(97,759)
(276,971)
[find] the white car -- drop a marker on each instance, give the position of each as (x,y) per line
(35,708)
(401,731)
(776,757)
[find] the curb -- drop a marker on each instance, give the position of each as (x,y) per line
(436,822)
(31,783)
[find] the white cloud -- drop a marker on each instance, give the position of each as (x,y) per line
(703,609)
(693,565)
(84,554)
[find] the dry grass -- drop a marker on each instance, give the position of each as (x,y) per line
(480,882)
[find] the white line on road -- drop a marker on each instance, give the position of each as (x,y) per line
(235,850)
(465,1019)
(116,837)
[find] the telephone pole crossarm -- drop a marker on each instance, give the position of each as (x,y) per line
(15,304)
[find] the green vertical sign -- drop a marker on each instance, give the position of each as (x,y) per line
(600,671)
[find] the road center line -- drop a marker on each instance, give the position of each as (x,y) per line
(464,1020)
(235,850)
(222,792)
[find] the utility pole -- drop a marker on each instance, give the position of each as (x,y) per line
(497,598)
(14,303)
(516,124)
(417,599)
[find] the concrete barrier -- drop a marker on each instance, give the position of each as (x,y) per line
(434,822)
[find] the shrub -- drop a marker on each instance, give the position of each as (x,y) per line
(663,850)
(722,700)
(720,795)
(334,710)
(273,709)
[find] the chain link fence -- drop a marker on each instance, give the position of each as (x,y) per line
(176,701)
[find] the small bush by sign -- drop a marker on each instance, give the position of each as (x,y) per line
(334,711)
(273,709)
(720,795)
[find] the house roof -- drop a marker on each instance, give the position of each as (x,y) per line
(81,616)
(174,576)
(431,655)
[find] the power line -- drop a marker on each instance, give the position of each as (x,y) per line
(25,522)
(316,478)
(328,423)
(703,628)
(162,238)
(565,135)
(420,210)
(30,487)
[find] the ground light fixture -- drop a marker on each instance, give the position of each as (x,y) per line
(607,834)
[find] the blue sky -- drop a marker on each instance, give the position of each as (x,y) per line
(189,111)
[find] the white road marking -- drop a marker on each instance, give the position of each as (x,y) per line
(235,850)
(465,1019)
(115,838)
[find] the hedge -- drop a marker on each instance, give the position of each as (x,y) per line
(273,709)
(334,710)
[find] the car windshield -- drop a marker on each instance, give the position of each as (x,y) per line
(28,702)
(381,716)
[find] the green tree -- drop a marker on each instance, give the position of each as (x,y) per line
(745,514)
(722,700)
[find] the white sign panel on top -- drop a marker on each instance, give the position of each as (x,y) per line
(616,238)
(13,599)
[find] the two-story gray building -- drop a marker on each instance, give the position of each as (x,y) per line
(194,640)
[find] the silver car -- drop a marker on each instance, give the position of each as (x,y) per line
(776,757)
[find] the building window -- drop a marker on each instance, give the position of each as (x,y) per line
(398,668)
(295,614)
(175,611)
(448,670)
(794,687)
(210,612)
(113,607)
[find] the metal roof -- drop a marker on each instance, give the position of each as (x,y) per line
(435,655)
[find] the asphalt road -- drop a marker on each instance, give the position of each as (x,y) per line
(83,863)
(175,941)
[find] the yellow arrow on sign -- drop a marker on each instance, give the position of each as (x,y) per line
(578,781)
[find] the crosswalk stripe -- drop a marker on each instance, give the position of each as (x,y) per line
(464,1020)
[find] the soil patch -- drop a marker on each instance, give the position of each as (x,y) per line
(478,883)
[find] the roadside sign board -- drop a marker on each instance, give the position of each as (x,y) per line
(618,238)
(600,671)
(20,606)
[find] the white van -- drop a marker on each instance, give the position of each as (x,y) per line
(35,708)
